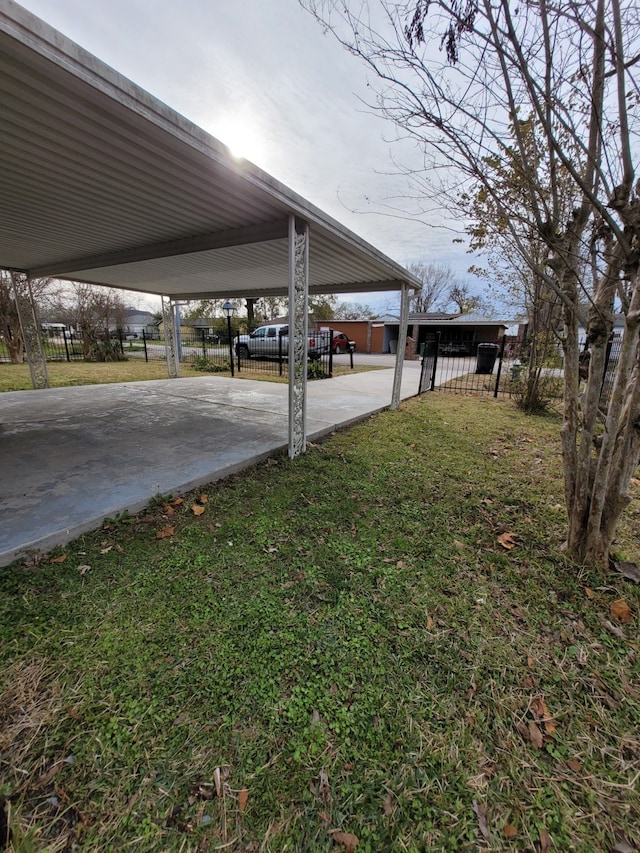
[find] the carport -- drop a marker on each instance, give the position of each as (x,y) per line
(102,183)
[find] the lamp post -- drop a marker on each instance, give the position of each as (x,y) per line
(228,309)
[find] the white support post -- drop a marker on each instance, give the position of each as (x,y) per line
(298,335)
(168,316)
(31,336)
(402,343)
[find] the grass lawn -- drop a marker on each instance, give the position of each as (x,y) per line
(341,652)
(16,377)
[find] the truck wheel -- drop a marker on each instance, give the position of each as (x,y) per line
(242,351)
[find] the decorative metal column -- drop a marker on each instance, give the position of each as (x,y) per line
(168,316)
(402,343)
(298,334)
(30,328)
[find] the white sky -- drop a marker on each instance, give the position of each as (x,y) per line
(261,76)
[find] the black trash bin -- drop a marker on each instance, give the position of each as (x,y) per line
(487,354)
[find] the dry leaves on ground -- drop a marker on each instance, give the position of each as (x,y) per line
(508,540)
(621,611)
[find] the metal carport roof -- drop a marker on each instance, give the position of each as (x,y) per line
(101,182)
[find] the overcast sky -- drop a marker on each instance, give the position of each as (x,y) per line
(261,76)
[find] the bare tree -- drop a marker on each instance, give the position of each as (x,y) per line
(93,311)
(10,330)
(568,69)
(437,281)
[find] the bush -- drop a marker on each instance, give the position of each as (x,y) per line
(206,365)
(106,350)
(315,370)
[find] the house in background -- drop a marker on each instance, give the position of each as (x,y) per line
(460,334)
(136,322)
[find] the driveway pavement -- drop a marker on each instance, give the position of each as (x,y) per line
(70,457)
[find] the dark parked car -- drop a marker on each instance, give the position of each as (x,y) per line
(341,343)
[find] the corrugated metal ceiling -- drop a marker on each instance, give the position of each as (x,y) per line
(101,182)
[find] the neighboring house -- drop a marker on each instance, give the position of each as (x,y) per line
(459,333)
(136,322)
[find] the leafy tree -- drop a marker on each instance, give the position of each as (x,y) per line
(467,302)
(491,234)
(322,307)
(353,311)
(201,309)
(458,77)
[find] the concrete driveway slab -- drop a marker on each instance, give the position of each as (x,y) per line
(70,457)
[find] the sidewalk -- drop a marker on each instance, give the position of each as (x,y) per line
(70,457)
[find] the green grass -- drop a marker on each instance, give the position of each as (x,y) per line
(16,377)
(342,638)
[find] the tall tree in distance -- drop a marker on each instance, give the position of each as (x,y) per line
(438,280)
(458,77)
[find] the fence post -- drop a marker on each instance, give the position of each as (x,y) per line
(331,354)
(144,341)
(500,358)
(237,349)
(280,351)
(66,348)
(119,338)
(435,361)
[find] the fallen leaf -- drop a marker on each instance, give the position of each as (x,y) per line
(166,531)
(535,735)
(430,622)
(59,559)
(545,841)
(629,570)
(177,501)
(217,781)
(401,564)
(389,805)
(574,765)
(167,509)
(613,629)
(197,510)
(481,812)
(203,498)
(347,839)
(589,592)
(243,796)
(507,540)
(486,501)
(84,569)
(621,611)
(509,830)
(531,662)
(541,711)
(106,550)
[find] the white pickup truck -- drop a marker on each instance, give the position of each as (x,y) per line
(272,341)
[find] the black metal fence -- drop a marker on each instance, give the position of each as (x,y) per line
(487,368)
(210,353)
(499,368)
